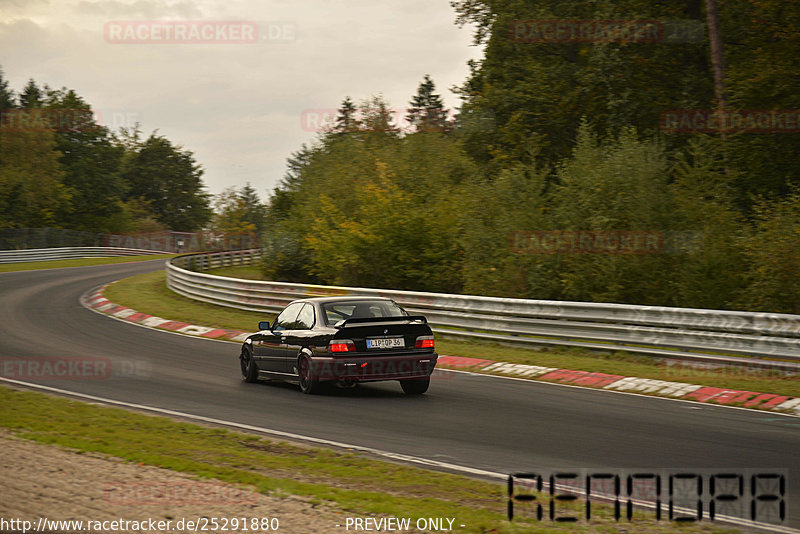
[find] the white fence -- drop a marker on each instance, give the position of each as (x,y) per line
(762,339)
(65,253)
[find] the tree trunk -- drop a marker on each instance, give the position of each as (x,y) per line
(717,56)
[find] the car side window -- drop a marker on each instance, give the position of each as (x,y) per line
(305,319)
(288,317)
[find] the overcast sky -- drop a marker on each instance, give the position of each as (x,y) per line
(242,108)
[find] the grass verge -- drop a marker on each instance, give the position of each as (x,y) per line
(352,483)
(248,272)
(148,293)
(77,262)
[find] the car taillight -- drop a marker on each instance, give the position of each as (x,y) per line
(341,345)
(424,342)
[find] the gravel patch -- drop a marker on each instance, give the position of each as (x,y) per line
(58,484)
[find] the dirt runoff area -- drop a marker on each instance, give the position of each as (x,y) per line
(43,484)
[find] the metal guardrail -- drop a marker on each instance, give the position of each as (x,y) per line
(65,253)
(726,337)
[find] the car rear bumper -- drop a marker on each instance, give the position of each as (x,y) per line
(372,367)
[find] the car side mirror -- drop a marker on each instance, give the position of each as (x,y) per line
(263,325)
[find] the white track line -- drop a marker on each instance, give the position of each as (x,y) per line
(251,428)
(369,450)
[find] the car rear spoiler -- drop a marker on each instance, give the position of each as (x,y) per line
(380,320)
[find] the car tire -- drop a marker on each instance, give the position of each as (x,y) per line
(308,383)
(415,386)
(249,369)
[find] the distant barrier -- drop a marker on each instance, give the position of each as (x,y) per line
(716,336)
(164,241)
(66,253)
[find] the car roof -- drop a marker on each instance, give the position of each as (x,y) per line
(325,300)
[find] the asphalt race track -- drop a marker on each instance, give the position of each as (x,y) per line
(488,423)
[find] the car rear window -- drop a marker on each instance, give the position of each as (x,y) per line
(339,311)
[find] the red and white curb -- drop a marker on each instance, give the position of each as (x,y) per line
(661,388)
(97,301)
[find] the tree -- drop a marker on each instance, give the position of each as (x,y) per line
(239,211)
(493,211)
(347,120)
(138,218)
(610,187)
(7,98)
(91,161)
(32,192)
(426,109)
(255,211)
(230,216)
(773,251)
(717,54)
(384,202)
(387,238)
(543,89)
(708,227)
(31,96)
(762,39)
(168,177)
(283,254)
(377,118)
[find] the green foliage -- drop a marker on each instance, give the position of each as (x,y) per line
(709,227)
(60,168)
(7,98)
(137,216)
(346,120)
(378,209)
(369,207)
(32,189)
(239,212)
(515,201)
(616,186)
(543,89)
(91,162)
(168,177)
(31,96)
(426,110)
(773,251)
(390,238)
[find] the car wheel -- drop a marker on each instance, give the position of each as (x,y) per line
(249,369)
(415,386)
(308,383)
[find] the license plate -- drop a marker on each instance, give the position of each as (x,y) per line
(385,343)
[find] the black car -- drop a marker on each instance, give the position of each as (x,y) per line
(343,340)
